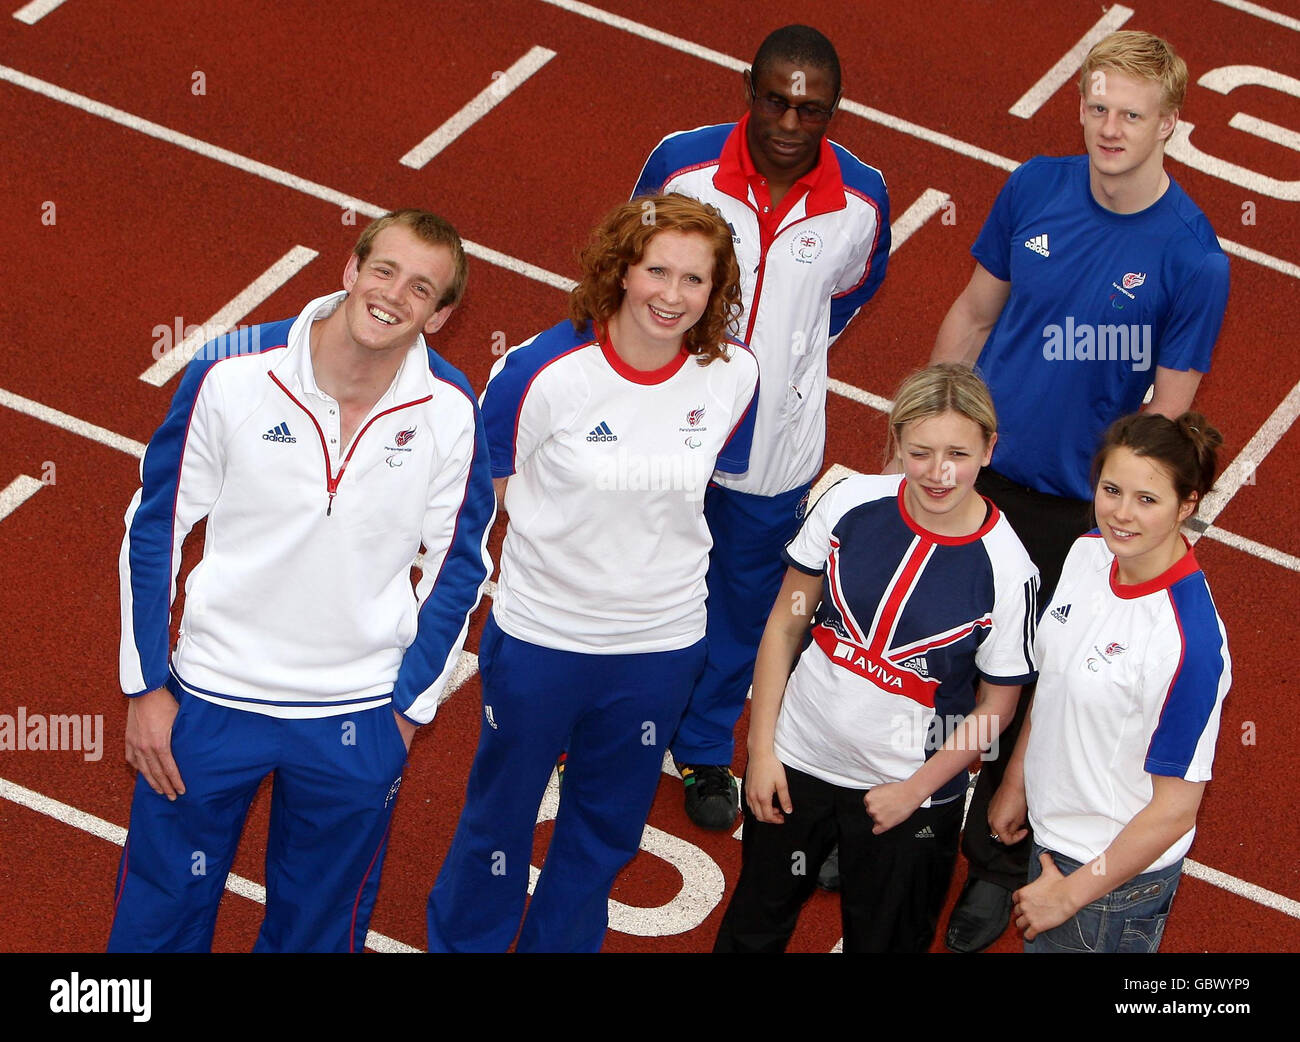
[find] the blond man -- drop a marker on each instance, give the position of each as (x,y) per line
(1097,279)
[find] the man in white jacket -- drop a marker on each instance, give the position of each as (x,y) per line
(323,451)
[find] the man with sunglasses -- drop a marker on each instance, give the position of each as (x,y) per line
(810,226)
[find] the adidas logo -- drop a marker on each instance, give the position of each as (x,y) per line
(1038,244)
(925,833)
(280,432)
(1062,613)
(917,663)
(602,433)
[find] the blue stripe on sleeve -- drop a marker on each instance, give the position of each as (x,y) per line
(151,531)
(504,396)
(734,457)
(444,616)
(678,152)
(864,180)
(1194,689)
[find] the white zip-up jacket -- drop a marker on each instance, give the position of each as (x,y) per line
(800,289)
(302,605)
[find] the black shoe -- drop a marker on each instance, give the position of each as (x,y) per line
(712,795)
(979,917)
(829,876)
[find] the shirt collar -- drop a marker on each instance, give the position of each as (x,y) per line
(736,172)
(297,365)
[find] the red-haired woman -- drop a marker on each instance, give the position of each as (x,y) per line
(604,432)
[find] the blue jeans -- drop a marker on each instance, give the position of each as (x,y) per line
(1131,918)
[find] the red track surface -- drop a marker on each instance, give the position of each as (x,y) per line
(147,231)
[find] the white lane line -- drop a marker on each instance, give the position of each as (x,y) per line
(478,250)
(1249,253)
(1241,542)
(1242,469)
(1262,12)
(16,493)
(934,137)
(903,126)
(929,203)
(71,423)
(646,33)
(1251,892)
(1063,71)
(484,102)
(466,667)
(262,170)
(173,361)
(677,43)
(874,401)
(30,14)
(102,829)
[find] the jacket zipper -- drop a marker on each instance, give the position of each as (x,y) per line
(331,479)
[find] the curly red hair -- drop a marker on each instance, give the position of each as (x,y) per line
(620,240)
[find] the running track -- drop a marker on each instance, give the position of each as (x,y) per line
(187,166)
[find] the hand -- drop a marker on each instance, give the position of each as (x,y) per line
(149,741)
(765,778)
(406,728)
(1008,814)
(1044,903)
(891,805)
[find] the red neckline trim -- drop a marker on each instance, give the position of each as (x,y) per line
(949,540)
(825,186)
(1180,569)
(638,376)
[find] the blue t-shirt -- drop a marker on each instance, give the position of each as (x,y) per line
(1098,300)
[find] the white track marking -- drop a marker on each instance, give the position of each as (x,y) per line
(173,361)
(929,203)
(835,472)
(735,64)
(30,14)
(646,33)
(1063,71)
(1262,128)
(874,401)
(16,493)
(484,102)
(1240,542)
(1262,12)
(1251,892)
(71,423)
(934,137)
(102,829)
(486,253)
(262,170)
(466,667)
(903,126)
(1243,468)
(1250,254)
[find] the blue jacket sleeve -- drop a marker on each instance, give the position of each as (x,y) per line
(462,507)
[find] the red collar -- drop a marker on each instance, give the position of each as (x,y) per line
(736,173)
(986,526)
(637,376)
(1180,569)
